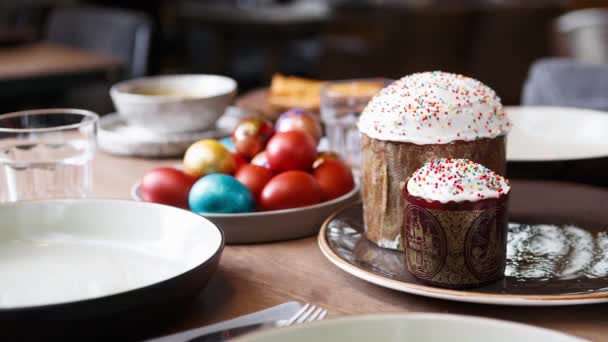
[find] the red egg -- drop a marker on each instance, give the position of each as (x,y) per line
(290,189)
(254,177)
(300,120)
(251,134)
(335,179)
(293,150)
(167,185)
(239,161)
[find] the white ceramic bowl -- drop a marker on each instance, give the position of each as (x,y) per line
(112,254)
(410,327)
(174,103)
(274,225)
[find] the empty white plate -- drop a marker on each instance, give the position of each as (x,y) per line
(105,253)
(556,134)
(410,327)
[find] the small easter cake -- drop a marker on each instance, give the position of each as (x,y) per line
(455,223)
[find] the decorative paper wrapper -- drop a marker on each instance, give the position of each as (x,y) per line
(385,164)
(455,244)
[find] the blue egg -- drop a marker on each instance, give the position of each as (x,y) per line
(219,193)
(227,142)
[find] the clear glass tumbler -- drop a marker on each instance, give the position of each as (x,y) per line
(47,153)
(341,104)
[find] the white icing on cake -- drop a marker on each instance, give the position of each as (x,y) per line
(434,108)
(456,180)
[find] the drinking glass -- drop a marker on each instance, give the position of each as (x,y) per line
(47,153)
(341,104)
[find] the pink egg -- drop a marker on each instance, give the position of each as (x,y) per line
(300,120)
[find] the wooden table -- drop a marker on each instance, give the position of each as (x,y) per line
(252,277)
(43,66)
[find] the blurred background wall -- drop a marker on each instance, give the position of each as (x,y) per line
(494,40)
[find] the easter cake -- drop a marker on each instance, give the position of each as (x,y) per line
(455,223)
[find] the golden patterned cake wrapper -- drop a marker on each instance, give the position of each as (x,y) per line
(455,244)
(385,164)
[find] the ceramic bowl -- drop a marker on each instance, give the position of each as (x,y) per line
(88,258)
(274,225)
(410,327)
(174,103)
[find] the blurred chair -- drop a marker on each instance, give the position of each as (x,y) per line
(120,33)
(19,23)
(567,82)
(583,34)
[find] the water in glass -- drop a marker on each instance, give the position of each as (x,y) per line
(46,162)
(341,104)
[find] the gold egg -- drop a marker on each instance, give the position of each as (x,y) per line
(208,156)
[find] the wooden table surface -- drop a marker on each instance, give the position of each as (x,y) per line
(45,59)
(253,277)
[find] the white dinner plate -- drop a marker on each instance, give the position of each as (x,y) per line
(410,327)
(556,134)
(69,259)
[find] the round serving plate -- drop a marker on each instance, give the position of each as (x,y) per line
(117,136)
(75,263)
(274,225)
(544,134)
(410,327)
(557,251)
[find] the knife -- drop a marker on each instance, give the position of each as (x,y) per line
(250,322)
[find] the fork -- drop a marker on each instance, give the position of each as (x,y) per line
(308,313)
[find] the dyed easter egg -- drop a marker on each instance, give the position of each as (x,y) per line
(254,177)
(251,134)
(227,142)
(322,157)
(291,189)
(238,161)
(167,185)
(208,156)
(335,179)
(300,120)
(219,193)
(260,160)
(292,150)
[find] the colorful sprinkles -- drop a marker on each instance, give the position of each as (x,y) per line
(434,107)
(456,180)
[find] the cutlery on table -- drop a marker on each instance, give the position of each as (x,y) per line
(286,314)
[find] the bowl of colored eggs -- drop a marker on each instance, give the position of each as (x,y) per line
(263,183)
